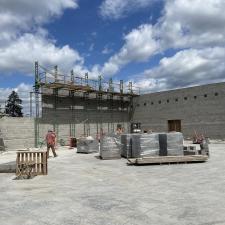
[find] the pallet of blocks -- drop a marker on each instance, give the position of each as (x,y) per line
(110,147)
(170,149)
(87,145)
(139,145)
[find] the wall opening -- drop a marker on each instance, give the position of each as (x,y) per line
(174,125)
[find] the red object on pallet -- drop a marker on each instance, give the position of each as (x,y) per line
(73,142)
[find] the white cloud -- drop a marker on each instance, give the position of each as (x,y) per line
(23,40)
(116,9)
(186,68)
(192,23)
(197,27)
(106,50)
(139,46)
(21,16)
(21,54)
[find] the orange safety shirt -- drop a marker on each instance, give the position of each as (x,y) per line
(50,138)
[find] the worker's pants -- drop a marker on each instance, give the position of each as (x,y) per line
(53,149)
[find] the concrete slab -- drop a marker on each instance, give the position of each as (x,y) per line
(9,167)
(81,189)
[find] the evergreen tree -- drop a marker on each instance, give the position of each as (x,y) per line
(14,105)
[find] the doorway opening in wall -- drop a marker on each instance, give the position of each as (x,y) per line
(174,125)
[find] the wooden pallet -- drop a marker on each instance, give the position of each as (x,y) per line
(31,163)
(167,159)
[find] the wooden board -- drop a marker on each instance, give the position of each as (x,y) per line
(167,159)
(36,160)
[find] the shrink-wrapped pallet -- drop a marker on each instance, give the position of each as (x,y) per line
(175,144)
(144,145)
(87,145)
(126,145)
(110,147)
(155,144)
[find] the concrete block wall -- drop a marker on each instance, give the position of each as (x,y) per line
(63,130)
(85,115)
(17,133)
(200,108)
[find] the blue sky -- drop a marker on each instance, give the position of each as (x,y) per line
(157,44)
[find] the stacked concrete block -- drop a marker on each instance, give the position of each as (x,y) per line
(144,145)
(199,108)
(175,144)
(87,145)
(110,147)
(126,145)
(190,150)
(150,145)
(17,133)
(155,144)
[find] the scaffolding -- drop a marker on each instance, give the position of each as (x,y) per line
(52,79)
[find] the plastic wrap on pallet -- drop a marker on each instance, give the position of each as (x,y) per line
(175,144)
(145,145)
(126,145)
(87,145)
(110,146)
(149,145)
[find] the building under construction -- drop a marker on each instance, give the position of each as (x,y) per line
(75,106)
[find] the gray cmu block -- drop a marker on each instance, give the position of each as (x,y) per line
(110,147)
(146,145)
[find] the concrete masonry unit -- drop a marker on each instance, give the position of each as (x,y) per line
(200,109)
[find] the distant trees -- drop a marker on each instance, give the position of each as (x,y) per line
(14,105)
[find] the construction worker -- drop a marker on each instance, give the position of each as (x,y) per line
(51,141)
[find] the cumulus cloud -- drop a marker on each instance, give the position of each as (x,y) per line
(116,9)
(21,16)
(186,68)
(188,27)
(139,46)
(190,23)
(23,40)
(21,54)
